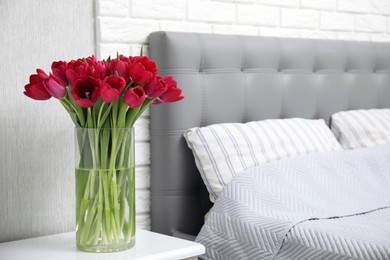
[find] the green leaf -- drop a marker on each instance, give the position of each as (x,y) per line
(90,123)
(142,51)
(65,104)
(96,108)
(114,114)
(131,115)
(73,116)
(122,115)
(102,119)
(76,108)
(75,119)
(136,113)
(105,138)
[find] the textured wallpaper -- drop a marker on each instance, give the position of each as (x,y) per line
(36,138)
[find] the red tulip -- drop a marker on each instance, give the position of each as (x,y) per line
(135,97)
(35,88)
(54,87)
(120,67)
(155,87)
(173,93)
(41,74)
(86,91)
(72,76)
(142,70)
(96,69)
(101,69)
(111,88)
(76,69)
(58,68)
(91,59)
(125,59)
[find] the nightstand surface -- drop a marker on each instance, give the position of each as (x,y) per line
(149,245)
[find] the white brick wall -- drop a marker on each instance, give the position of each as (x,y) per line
(123,26)
(211,11)
(299,18)
(258,15)
(356,6)
(337,21)
(319,4)
(157,9)
(371,23)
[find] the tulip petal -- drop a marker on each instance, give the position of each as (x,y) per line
(36,91)
(134,97)
(60,75)
(109,95)
(34,78)
(139,75)
(86,91)
(155,87)
(72,76)
(171,95)
(54,87)
(157,101)
(41,74)
(111,88)
(120,68)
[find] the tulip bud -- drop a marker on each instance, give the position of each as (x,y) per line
(134,97)
(54,87)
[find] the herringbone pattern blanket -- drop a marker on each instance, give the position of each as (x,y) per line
(326,206)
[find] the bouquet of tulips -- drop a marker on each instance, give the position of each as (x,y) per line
(104,98)
(91,90)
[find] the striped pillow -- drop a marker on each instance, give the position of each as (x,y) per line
(222,151)
(361,128)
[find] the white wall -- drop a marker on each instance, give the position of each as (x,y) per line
(36,138)
(123,25)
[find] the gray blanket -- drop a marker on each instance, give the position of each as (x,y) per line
(325,206)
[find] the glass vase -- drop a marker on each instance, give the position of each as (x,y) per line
(105,189)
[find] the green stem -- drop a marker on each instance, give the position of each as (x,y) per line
(104,231)
(89,222)
(108,163)
(115,203)
(114,229)
(134,114)
(118,143)
(71,112)
(89,229)
(129,227)
(122,183)
(100,114)
(82,208)
(69,105)
(94,239)
(107,215)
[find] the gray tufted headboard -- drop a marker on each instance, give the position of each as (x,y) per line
(228,78)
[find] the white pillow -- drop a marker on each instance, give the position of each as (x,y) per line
(361,128)
(223,151)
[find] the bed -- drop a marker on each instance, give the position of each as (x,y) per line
(229,78)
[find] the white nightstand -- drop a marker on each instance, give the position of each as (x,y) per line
(149,245)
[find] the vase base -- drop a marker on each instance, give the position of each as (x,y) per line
(121,246)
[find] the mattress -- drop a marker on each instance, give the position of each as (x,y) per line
(326,206)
